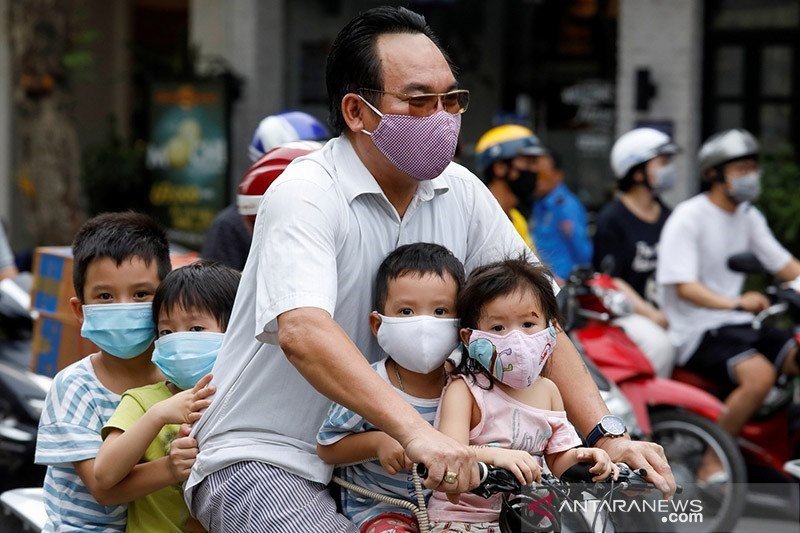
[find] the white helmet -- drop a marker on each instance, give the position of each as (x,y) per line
(639,146)
(726,146)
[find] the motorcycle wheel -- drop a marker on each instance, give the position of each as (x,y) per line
(685,438)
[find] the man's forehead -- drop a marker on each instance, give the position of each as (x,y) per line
(411,62)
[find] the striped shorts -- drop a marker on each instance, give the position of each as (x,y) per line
(258,497)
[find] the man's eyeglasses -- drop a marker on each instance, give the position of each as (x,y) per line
(454,102)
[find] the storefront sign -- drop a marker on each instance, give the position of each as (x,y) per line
(187,154)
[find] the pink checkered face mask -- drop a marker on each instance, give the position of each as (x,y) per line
(422,147)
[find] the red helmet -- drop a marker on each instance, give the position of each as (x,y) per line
(269,166)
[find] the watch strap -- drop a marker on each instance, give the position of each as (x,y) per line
(595,435)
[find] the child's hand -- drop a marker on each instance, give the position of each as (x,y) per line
(603,466)
(185,407)
(519,462)
(182,454)
(392,455)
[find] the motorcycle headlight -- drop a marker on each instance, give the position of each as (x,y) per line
(619,405)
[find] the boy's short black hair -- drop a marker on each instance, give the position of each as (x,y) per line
(417,258)
(205,286)
(118,236)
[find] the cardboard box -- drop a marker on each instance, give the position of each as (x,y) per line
(52,282)
(57,340)
(57,344)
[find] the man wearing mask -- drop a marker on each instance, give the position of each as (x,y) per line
(710,320)
(504,156)
(559,223)
(627,235)
(298,337)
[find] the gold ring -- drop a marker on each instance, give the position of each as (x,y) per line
(451,477)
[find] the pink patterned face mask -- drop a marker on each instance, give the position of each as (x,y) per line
(422,147)
(515,359)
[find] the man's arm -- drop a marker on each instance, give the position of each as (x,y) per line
(640,305)
(326,357)
(700,295)
(791,271)
(144,479)
(582,399)
(585,408)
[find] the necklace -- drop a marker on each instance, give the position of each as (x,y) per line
(397,375)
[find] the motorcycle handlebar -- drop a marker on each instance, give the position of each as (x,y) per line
(494,480)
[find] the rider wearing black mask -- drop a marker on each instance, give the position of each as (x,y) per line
(505,158)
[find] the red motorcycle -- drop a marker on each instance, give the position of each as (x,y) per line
(678,416)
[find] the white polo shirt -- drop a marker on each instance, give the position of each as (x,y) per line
(322,230)
(695,245)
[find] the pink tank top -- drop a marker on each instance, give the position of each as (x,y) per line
(507,423)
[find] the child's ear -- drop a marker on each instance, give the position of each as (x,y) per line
(77,308)
(374,322)
(465,334)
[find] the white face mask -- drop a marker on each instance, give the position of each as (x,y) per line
(418,343)
(664,178)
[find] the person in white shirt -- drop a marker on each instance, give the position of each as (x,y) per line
(298,337)
(710,320)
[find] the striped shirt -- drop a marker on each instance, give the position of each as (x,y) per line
(342,422)
(76,408)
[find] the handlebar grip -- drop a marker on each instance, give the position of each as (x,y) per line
(578,473)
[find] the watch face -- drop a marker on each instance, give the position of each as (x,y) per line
(613,425)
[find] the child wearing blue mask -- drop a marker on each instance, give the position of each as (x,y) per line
(416,325)
(191,307)
(119,260)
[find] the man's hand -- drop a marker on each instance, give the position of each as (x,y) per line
(392,456)
(640,454)
(442,455)
(753,301)
(182,454)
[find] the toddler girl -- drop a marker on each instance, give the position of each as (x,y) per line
(497,399)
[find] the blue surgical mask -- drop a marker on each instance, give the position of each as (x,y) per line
(121,330)
(187,356)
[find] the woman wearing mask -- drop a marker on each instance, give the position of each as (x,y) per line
(628,231)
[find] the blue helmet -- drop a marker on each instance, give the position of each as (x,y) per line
(285,127)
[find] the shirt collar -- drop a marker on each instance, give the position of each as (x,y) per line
(355,179)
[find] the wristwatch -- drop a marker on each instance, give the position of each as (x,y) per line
(609,426)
